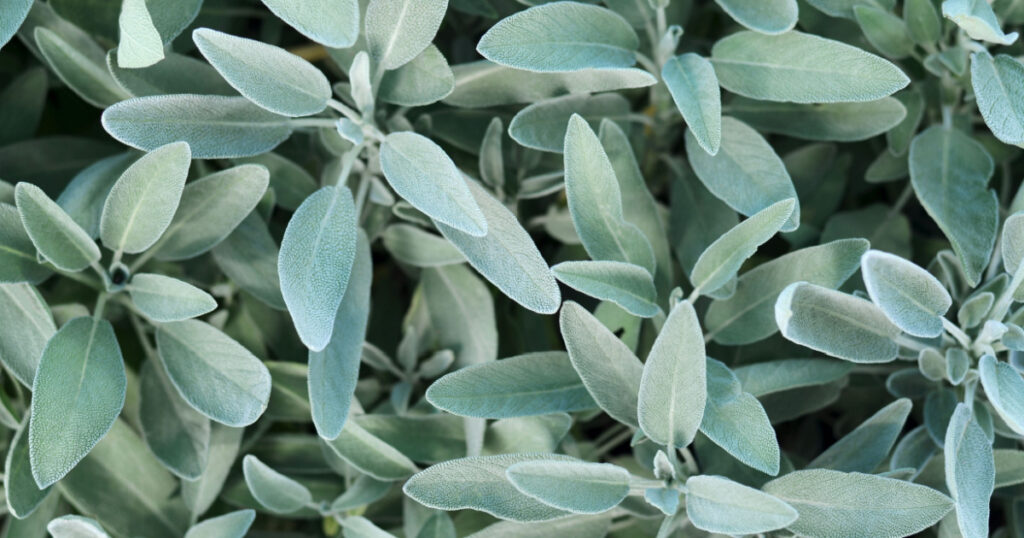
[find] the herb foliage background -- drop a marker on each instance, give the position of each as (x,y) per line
(502,268)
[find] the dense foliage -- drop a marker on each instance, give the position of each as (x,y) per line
(510,268)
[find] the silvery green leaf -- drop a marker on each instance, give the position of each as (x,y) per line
(922,21)
(332,23)
(162,298)
(997,87)
(609,370)
(439,525)
(360,527)
(492,155)
(80,381)
(72,526)
(950,171)
(841,122)
(697,217)
(370,455)
(178,435)
(770,17)
(84,196)
(884,30)
(14,14)
(363,491)
(269,76)
(360,85)
(673,388)
(427,438)
(540,434)
(717,504)
(736,421)
(510,388)
(938,409)
(911,297)
(249,257)
(317,253)
(595,201)
(578,487)
(210,209)
(22,102)
(543,125)
(932,364)
(142,202)
(461,312)
(561,36)
(140,44)
(55,235)
(627,285)
(506,256)
(746,173)
(899,137)
(22,493)
(484,83)
(479,483)
(1009,464)
(231,525)
(272,489)
(957,364)
(973,310)
(164,77)
(291,183)
(334,371)
(863,449)
(1005,390)
(83,69)
(215,374)
(214,126)
(1012,243)
(289,394)
(793,67)
(201,493)
(719,263)
(914,450)
(770,377)
(422,173)
(748,315)
(836,324)
(26,325)
(694,87)
(970,472)
(977,19)
(832,503)
(424,80)
(398,30)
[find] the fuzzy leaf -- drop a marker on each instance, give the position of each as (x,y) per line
(162,298)
(970,471)
(231,525)
(736,421)
(140,44)
(977,18)
(332,23)
(398,30)
(694,87)
(1005,390)
(717,504)
(625,284)
(864,448)
(20,488)
(997,84)
(578,487)
(911,297)
(272,489)
(55,235)
(178,435)
(840,122)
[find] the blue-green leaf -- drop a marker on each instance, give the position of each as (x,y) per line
(162,298)
(249,257)
(83,69)
(398,30)
(273,490)
(911,297)
(970,471)
(55,235)
(231,525)
(1005,390)
(332,23)
(578,487)
(72,526)
(178,435)
(625,284)
(767,17)
(977,18)
(20,488)
(864,448)
(140,44)
(999,89)
(736,421)
(717,504)
(19,260)
(694,87)
(26,325)
(14,14)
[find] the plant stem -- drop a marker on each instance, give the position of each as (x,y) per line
(956,332)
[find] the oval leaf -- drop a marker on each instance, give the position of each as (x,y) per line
(332,23)
(910,296)
(717,504)
(398,30)
(694,87)
(162,298)
(970,471)
(999,88)
(55,235)
(273,490)
(26,325)
(1005,390)
(627,285)
(579,487)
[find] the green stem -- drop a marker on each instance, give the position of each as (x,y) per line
(140,332)
(1006,297)
(956,332)
(313,122)
(101,303)
(345,110)
(611,443)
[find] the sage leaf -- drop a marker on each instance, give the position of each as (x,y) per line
(18,257)
(71,526)
(911,297)
(80,380)
(398,30)
(746,173)
(14,14)
(215,374)
(333,372)
(625,284)
(834,502)
(214,126)
(864,448)
(370,455)
(835,323)
(140,44)
(20,488)
(270,77)
(461,313)
(506,256)
(55,235)
(424,80)
(319,246)
(561,36)
(578,487)
(479,483)
(422,173)
(923,21)
(719,263)
(970,471)
(272,489)
(771,377)
(249,257)
(199,494)
(673,388)
(949,172)
(793,67)
(414,246)
(83,69)
(142,202)
(977,19)
(997,86)
(178,435)
(231,525)
(544,125)
(510,388)
(609,370)
(736,421)
(26,325)
(1005,390)
(332,23)
(884,30)
(162,298)
(164,77)
(717,504)
(84,196)
(840,122)
(694,87)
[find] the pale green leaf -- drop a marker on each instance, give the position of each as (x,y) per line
(578,487)
(561,36)
(625,284)
(84,196)
(424,80)
(26,325)
(178,435)
(162,298)
(72,526)
(164,77)
(332,23)
(736,421)
(911,297)
(970,471)
(291,183)
(673,388)
(142,203)
(1009,467)
(413,246)
(544,125)
(83,69)
(78,392)
(771,377)
(249,257)
(14,14)
(370,455)
(802,68)
(767,17)
(461,312)
(19,260)
(55,235)
(272,489)
(140,44)
(20,489)
(864,448)
(999,90)
(199,494)
(884,30)
(1012,243)
(841,122)
(398,30)
(694,87)
(215,374)
(922,21)
(231,525)
(717,504)
(1005,390)
(977,19)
